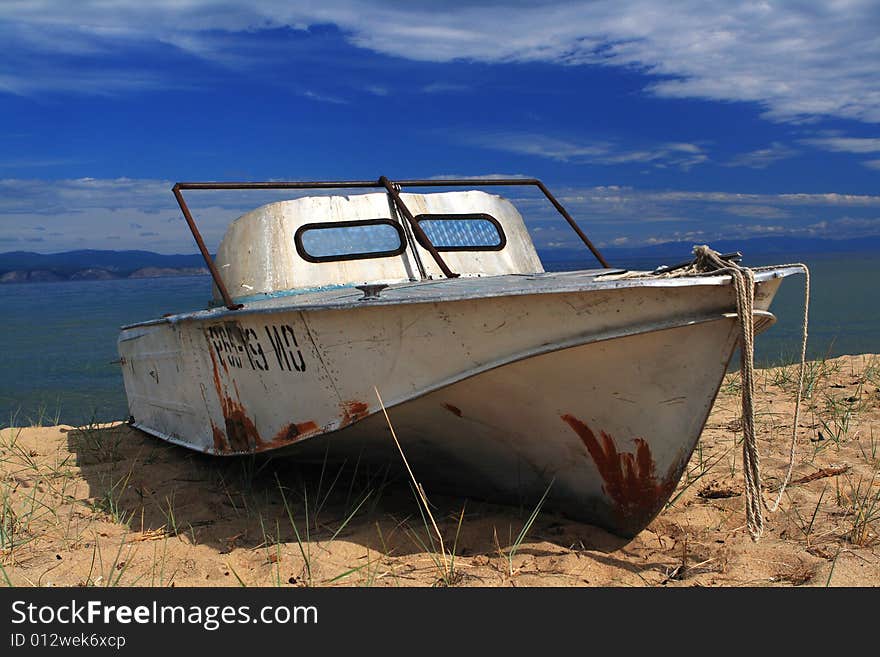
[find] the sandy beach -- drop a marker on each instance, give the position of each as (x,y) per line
(110,506)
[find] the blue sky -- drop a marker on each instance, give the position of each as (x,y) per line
(652,121)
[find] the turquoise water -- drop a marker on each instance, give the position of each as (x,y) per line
(844,312)
(59,339)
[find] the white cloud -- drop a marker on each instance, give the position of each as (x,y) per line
(841,144)
(681,155)
(137,213)
(52,216)
(846,144)
(798,61)
(763,157)
(757,211)
(831,199)
(324,98)
(830,229)
(653,216)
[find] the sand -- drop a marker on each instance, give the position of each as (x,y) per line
(110,506)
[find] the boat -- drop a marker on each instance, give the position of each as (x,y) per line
(503,381)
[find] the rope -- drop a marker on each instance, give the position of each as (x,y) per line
(797,403)
(709,262)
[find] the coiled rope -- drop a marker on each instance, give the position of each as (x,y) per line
(709,262)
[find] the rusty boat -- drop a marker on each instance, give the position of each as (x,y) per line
(499,377)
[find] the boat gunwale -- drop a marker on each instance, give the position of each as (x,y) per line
(345,298)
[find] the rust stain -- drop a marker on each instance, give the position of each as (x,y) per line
(220,444)
(629,479)
(352,411)
(307,427)
(241,434)
(217,385)
(455,410)
(287,434)
(290,434)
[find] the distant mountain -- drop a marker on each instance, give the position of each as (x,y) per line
(29,276)
(754,248)
(158,272)
(118,261)
(27,267)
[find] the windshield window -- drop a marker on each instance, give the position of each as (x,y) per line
(349,240)
(463,232)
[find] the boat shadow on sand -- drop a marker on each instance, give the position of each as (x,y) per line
(252,502)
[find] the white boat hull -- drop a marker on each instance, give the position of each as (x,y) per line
(602,391)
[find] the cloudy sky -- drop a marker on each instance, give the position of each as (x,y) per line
(652,120)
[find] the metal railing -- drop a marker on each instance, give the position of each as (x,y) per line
(391,187)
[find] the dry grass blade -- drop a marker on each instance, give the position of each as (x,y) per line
(511,553)
(6,576)
(421,491)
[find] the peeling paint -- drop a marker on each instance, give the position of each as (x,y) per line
(629,479)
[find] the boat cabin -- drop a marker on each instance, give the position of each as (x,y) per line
(324,241)
(381,237)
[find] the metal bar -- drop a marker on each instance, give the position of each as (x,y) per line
(419,233)
(341,184)
(477,182)
(464,182)
(410,238)
(323,184)
(572,223)
(204,249)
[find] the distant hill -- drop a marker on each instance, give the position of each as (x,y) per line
(25,267)
(674,252)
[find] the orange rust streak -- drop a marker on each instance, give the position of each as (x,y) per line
(290,434)
(241,433)
(630,479)
(217,386)
(455,410)
(220,444)
(353,411)
(307,427)
(240,429)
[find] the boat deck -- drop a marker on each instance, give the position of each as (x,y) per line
(453,289)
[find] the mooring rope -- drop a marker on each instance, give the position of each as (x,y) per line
(709,262)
